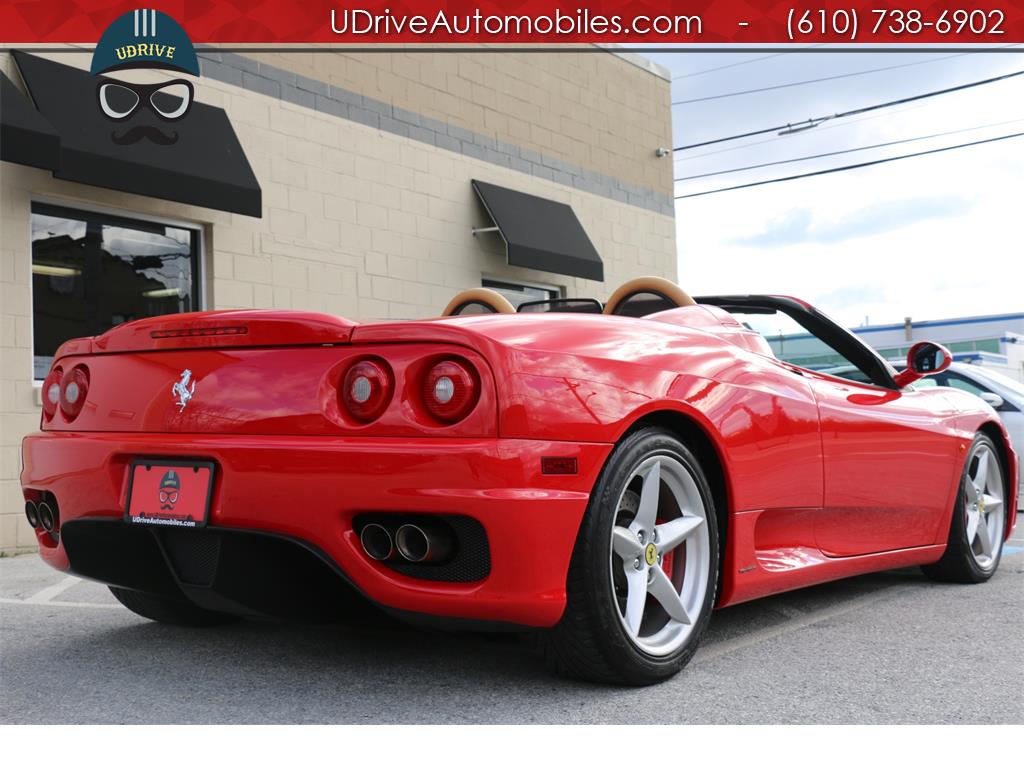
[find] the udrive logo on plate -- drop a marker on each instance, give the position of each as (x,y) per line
(152,42)
(170,487)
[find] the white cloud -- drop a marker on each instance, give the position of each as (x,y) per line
(935,236)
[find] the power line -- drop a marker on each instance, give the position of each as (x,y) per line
(815,80)
(850,167)
(813,122)
(741,63)
(747,145)
(846,151)
(818,129)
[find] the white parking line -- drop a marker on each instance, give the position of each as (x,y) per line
(47,594)
(56,603)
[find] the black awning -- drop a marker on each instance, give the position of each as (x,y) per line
(26,137)
(205,166)
(540,233)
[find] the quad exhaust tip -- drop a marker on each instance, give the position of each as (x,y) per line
(377,542)
(32,514)
(424,543)
(47,517)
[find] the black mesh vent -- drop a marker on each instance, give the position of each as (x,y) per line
(472,558)
(194,554)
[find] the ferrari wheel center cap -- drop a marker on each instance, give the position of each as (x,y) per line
(651,554)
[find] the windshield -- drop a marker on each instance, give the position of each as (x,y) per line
(803,336)
(790,341)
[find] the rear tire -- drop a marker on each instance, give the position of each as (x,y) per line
(975,542)
(166,610)
(641,583)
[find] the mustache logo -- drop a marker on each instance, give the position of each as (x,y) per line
(167,506)
(139,132)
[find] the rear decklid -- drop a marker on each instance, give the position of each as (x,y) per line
(251,373)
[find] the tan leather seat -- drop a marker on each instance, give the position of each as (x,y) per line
(487,297)
(656,285)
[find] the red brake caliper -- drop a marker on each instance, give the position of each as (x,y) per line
(668,558)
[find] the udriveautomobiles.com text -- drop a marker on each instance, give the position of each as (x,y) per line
(443,23)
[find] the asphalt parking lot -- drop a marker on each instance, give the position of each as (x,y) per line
(885,648)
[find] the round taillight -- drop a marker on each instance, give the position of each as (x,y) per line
(366,389)
(450,390)
(51,391)
(73,389)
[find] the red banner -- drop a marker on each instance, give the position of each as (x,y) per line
(991,22)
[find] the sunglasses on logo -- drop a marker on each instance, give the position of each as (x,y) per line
(120,100)
(168,497)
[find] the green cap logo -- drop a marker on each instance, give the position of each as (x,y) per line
(144,38)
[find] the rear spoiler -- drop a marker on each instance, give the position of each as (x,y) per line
(224,328)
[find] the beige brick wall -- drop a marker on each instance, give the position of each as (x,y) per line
(357,221)
(588,107)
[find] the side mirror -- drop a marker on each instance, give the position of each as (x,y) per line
(996,401)
(924,359)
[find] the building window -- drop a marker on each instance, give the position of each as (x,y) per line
(92,271)
(517,293)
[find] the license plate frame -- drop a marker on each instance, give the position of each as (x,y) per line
(148,476)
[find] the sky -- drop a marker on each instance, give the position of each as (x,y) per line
(928,238)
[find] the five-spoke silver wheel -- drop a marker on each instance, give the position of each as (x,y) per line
(978,523)
(984,507)
(660,555)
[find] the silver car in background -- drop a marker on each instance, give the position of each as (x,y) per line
(1004,394)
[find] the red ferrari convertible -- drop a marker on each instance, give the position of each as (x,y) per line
(606,474)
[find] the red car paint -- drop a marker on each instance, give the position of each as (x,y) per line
(824,478)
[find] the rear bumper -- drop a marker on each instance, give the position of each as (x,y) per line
(309,490)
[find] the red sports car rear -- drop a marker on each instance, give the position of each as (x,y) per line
(605,479)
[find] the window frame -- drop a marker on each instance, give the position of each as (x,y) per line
(947,376)
(816,323)
(127,217)
(942,379)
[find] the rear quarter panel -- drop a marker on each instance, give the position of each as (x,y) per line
(589,378)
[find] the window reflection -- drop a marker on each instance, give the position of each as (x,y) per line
(517,293)
(93,271)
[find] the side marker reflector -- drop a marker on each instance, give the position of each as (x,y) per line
(558,465)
